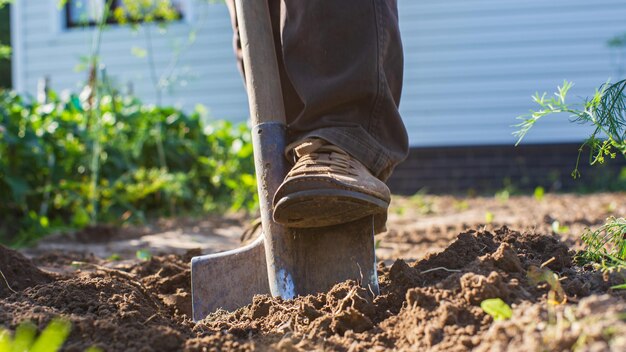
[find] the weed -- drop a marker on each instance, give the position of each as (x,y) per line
(539,193)
(461,205)
(605,111)
(143,254)
(605,245)
(619,287)
(422,203)
(559,229)
(25,338)
(114,257)
(556,294)
(489,217)
(497,308)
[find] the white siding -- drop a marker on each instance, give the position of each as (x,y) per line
(207,69)
(470,65)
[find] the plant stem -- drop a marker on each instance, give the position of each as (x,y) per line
(157,88)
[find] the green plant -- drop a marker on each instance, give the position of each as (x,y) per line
(558,228)
(605,245)
(489,217)
(497,308)
(556,294)
(25,339)
(422,203)
(143,254)
(46,153)
(539,193)
(50,340)
(605,111)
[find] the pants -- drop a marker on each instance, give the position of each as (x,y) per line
(341,66)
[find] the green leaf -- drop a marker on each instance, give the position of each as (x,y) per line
(497,308)
(53,336)
(619,287)
(6,343)
(143,254)
(539,193)
(25,334)
(93,349)
(114,257)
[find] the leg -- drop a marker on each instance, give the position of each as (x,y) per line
(340,64)
(341,67)
(344,61)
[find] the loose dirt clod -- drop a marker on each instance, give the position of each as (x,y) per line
(432,304)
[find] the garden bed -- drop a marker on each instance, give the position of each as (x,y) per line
(432,303)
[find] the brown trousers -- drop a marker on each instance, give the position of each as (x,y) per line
(341,66)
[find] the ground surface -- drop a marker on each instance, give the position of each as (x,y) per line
(455,252)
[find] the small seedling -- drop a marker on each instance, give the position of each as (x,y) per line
(497,308)
(25,339)
(143,254)
(619,287)
(558,228)
(114,257)
(461,205)
(503,195)
(539,193)
(50,340)
(556,295)
(489,217)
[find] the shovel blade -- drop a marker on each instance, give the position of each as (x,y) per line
(228,280)
(326,256)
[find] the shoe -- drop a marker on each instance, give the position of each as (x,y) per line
(326,187)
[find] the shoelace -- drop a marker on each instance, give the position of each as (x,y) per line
(317,156)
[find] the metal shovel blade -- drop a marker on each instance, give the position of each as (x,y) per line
(228,280)
(322,258)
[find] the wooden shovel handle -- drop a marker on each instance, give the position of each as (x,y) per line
(259,59)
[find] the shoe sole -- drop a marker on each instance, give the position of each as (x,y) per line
(321,208)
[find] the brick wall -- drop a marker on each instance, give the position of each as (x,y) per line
(488,168)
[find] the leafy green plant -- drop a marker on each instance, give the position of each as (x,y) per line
(539,193)
(497,308)
(143,254)
(25,339)
(556,294)
(46,157)
(606,245)
(605,111)
(422,203)
(489,217)
(558,228)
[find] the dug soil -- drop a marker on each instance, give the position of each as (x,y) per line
(429,304)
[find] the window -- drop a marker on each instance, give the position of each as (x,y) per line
(80,13)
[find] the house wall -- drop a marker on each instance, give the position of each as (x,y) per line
(206,70)
(470,66)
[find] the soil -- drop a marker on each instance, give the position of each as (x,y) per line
(431,302)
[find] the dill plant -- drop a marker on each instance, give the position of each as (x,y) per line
(605,111)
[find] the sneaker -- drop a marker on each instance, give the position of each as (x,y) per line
(326,187)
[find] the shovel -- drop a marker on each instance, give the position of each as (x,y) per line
(283,262)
